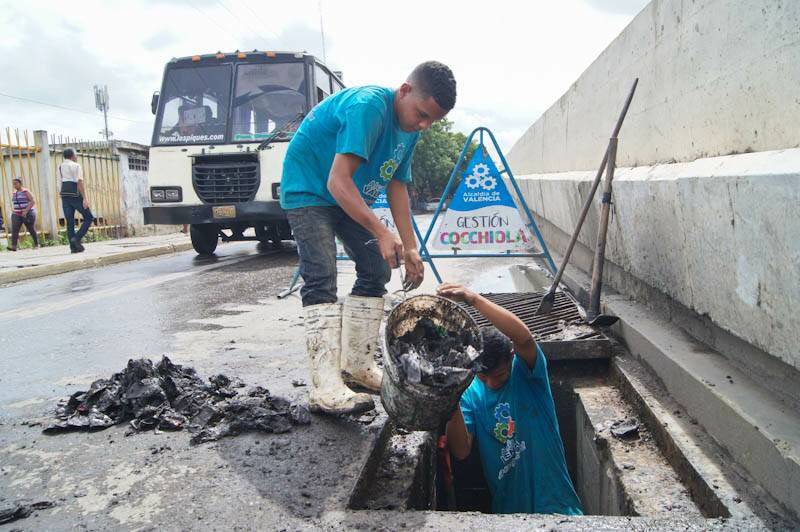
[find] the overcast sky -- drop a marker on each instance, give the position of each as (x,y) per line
(512,59)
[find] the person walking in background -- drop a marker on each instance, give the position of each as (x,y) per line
(23,204)
(74,198)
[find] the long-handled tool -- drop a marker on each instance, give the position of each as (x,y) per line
(546,305)
(593,316)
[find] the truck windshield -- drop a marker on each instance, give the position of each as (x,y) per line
(266,97)
(194,105)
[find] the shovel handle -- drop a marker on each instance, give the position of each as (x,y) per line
(602,231)
(597,178)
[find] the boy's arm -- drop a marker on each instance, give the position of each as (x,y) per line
(505,321)
(458,437)
(344,191)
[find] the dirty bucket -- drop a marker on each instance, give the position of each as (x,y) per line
(420,405)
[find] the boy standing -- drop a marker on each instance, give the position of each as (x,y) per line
(509,409)
(350,148)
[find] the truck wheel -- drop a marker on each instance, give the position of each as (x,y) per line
(204,238)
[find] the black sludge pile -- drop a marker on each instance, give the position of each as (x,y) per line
(167,396)
(431,355)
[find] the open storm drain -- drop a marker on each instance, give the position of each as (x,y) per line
(613,457)
(622,458)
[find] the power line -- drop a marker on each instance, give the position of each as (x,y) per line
(240,21)
(258,18)
(226,30)
(70,108)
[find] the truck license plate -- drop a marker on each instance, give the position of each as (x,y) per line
(228,211)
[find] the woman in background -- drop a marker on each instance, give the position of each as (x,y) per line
(23,213)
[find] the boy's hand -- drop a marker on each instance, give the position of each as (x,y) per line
(390,247)
(456,292)
(415,271)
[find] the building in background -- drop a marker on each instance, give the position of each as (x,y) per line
(133,165)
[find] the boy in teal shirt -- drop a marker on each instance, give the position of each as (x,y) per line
(509,409)
(353,146)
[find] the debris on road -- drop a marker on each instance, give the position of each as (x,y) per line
(573,330)
(167,396)
(22,510)
(626,429)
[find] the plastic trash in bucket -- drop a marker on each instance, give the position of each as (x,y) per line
(415,403)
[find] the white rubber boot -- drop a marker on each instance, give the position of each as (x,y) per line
(323,324)
(361,321)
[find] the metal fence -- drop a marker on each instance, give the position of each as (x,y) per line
(18,160)
(35,159)
(100,165)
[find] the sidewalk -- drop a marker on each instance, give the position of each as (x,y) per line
(30,264)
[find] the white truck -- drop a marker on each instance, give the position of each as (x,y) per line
(223,123)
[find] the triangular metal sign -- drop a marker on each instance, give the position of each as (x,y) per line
(482,215)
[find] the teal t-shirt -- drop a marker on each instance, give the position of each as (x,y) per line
(520,446)
(361,121)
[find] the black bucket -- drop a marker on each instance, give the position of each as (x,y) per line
(418,406)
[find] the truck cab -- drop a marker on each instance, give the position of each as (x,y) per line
(223,123)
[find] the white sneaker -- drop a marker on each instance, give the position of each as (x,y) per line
(323,325)
(361,322)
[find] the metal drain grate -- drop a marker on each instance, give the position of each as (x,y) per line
(562,334)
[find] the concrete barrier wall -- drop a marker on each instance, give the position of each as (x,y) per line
(719,235)
(717,77)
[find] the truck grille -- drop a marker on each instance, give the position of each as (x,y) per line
(231,179)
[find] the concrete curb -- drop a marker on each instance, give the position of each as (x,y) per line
(753,424)
(758,430)
(35,272)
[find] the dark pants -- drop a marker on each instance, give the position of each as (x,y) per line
(70,205)
(17,222)
(315,230)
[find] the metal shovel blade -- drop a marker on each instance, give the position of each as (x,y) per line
(603,320)
(546,304)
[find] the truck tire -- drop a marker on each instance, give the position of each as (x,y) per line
(204,238)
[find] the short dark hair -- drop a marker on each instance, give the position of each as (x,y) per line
(69,153)
(435,79)
(497,350)
(17,179)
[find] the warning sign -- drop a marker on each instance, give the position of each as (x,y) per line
(482,215)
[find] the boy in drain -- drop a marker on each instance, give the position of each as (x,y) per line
(509,409)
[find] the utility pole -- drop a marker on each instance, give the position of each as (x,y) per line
(101,102)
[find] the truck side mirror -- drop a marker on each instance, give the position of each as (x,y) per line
(154,102)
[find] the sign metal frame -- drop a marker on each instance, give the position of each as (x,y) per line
(424,252)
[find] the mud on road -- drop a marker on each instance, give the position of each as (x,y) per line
(148,480)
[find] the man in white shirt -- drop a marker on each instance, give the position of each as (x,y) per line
(74,198)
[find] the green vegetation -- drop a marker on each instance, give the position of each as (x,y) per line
(25,242)
(436,154)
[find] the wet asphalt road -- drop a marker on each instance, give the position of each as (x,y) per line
(63,331)
(220,315)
